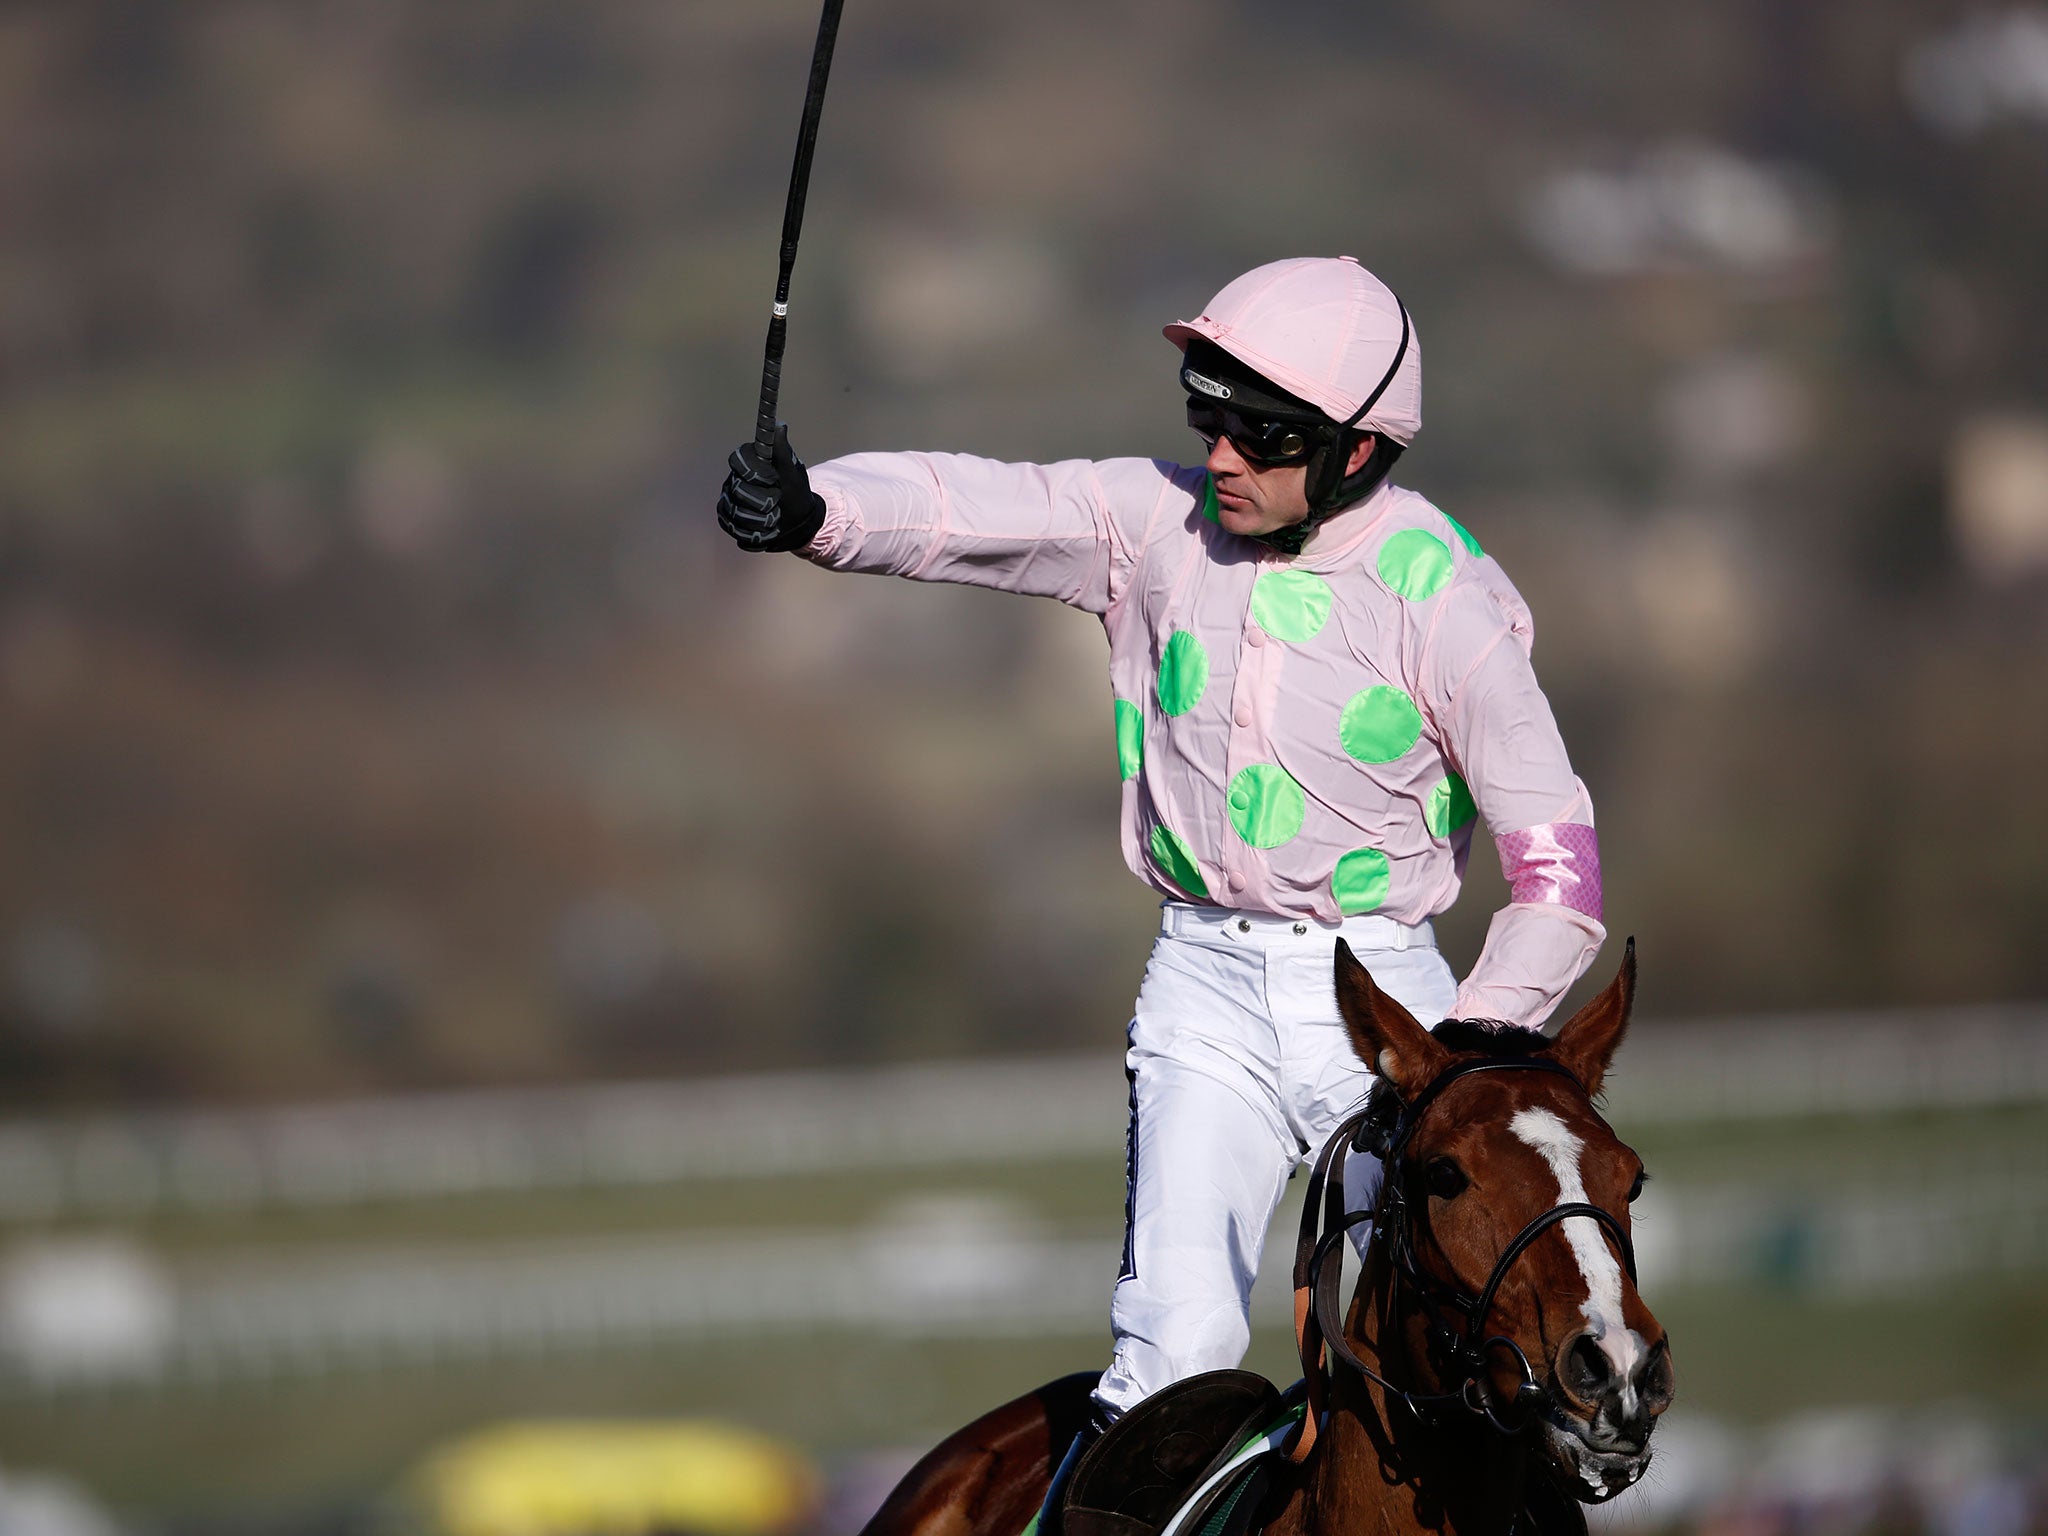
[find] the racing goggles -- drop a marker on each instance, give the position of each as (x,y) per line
(1261,441)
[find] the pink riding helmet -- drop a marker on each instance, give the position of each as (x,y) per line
(1325,329)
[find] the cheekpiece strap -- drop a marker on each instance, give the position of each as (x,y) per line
(1321,1202)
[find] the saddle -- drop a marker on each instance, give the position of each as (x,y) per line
(1176,1446)
(1197,1459)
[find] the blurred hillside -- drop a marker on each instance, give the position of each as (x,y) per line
(379,705)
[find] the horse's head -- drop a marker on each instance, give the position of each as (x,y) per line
(1483,1161)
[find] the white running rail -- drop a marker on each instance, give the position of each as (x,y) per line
(428,1146)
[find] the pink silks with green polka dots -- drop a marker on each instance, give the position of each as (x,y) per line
(1311,736)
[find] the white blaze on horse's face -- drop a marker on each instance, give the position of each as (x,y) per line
(1560,1149)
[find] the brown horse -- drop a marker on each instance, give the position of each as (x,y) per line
(1505,1210)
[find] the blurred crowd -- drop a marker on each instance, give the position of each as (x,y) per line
(1943,1471)
(382,710)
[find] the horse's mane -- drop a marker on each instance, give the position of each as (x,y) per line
(1491,1037)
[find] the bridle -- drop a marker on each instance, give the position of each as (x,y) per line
(1460,1355)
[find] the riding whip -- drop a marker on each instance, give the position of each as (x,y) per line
(793,222)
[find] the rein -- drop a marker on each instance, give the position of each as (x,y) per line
(1459,1355)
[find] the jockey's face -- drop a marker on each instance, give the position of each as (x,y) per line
(1251,501)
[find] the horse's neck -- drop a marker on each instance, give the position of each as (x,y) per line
(1379,1472)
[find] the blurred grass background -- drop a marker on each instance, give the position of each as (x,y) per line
(270,1362)
(381,713)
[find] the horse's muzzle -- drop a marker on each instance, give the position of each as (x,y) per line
(1595,1476)
(1600,1419)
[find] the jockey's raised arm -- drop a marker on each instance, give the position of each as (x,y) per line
(1070,531)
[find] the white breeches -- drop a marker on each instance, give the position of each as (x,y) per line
(1240,1069)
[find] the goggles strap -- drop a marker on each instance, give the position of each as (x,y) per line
(1393,368)
(1327,477)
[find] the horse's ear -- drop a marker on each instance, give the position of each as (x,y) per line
(1588,1043)
(1385,1034)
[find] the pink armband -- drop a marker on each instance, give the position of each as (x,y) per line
(1558,862)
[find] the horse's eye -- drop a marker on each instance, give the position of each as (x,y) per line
(1446,1179)
(1642,1178)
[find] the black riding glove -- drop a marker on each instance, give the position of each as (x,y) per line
(767,502)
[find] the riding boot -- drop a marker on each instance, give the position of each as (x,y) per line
(1049,1522)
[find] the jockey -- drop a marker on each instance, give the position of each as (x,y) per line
(1320,682)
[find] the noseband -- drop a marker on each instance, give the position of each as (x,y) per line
(1459,1355)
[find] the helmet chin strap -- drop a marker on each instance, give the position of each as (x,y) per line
(1328,486)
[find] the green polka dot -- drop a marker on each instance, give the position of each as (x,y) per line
(1465,536)
(1449,807)
(1361,881)
(1130,739)
(1183,673)
(1379,725)
(1209,509)
(1266,805)
(1415,564)
(1171,855)
(1291,605)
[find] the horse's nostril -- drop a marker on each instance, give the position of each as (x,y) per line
(1655,1381)
(1583,1370)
